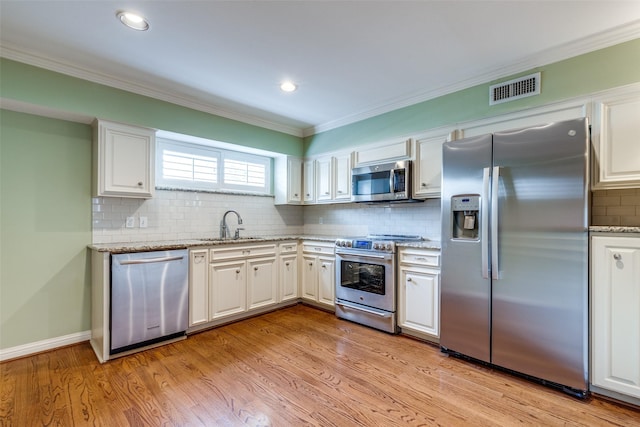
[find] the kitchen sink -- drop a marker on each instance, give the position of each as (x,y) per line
(231,239)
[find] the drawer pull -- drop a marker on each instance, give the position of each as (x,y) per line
(617,257)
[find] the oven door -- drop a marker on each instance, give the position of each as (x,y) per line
(366,278)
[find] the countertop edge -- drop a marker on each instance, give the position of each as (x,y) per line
(130,247)
(613,229)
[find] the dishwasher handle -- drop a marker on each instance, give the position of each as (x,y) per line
(151,260)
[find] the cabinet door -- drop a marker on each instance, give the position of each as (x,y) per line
(343,177)
(616,314)
(261,282)
(288,277)
(227,289)
(198,287)
(310,277)
(419,300)
(309,181)
(324,179)
(294,180)
(124,163)
(326,280)
(287,180)
(428,167)
(615,130)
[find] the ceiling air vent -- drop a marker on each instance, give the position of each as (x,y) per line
(515,89)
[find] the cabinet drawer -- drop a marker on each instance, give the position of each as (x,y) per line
(233,252)
(420,257)
(288,248)
(319,247)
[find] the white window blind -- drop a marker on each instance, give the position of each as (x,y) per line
(191,166)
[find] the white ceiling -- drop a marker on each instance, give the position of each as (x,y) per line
(351,59)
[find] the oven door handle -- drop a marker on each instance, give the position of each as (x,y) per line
(360,256)
(364,309)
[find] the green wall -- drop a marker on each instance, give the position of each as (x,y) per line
(57,91)
(599,70)
(45,227)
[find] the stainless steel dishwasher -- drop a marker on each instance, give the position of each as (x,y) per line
(149,298)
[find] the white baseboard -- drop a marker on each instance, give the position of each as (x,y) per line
(44,345)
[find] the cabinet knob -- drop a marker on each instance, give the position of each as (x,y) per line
(287,264)
(237,271)
(424,184)
(255,268)
(409,279)
(295,195)
(310,264)
(617,257)
(139,183)
(326,192)
(308,194)
(339,191)
(324,266)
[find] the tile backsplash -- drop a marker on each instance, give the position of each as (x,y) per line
(173,215)
(616,207)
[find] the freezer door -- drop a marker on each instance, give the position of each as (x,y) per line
(539,318)
(465,293)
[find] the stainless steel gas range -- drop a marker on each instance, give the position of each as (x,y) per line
(366,280)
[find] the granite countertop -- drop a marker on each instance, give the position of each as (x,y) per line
(165,245)
(613,229)
(423,244)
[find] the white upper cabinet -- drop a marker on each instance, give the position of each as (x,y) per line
(324,179)
(342,177)
(427,167)
(615,135)
(123,160)
(288,180)
(387,151)
(309,181)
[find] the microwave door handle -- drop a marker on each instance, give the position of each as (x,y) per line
(392,181)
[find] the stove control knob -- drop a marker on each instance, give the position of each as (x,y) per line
(376,246)
(349,243)
(389,246)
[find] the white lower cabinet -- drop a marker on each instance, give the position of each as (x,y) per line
(318,273)
(288,271)
(227,289)
(419,292)
(262,282)
(241,278)
(615,315)
(198,286)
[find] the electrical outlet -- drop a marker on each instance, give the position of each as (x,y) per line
(143,222)
(131,221)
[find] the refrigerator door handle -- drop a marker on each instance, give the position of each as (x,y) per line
(484,222)
(495,181)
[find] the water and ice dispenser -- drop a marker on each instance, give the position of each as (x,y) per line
(465,210)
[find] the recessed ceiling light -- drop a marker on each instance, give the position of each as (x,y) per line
(133,20)
(288,87)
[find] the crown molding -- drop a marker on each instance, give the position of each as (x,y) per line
(592,43)
(38,60)
(598,41)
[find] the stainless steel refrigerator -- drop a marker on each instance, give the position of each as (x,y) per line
(515,251)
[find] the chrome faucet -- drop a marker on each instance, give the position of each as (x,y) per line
(224,228)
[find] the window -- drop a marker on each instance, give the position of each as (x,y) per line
(198,167)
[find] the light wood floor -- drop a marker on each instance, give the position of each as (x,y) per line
(293,367)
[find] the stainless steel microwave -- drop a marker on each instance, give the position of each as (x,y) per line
(381,182)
